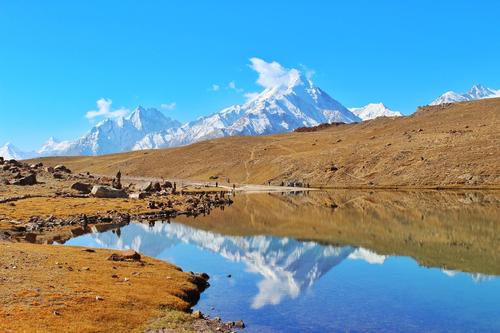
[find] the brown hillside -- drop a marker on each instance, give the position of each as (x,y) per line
(449,145)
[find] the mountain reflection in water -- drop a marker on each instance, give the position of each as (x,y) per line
(338,261)
(287,266)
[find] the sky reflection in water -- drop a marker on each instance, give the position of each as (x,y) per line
(284,285)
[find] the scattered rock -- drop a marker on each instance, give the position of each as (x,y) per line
(36,166)
(197,314)
(128,255)
(57,175)
(146,187)
(26,181)
(78,231)
(30,237)
(117,183)
(102,191)
(61,168)
(82,187)
(138,195)
(156,187)
(167,184)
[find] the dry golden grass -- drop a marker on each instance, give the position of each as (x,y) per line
(54,288)
(437,146)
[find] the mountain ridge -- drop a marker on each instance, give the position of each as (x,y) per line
(477,91)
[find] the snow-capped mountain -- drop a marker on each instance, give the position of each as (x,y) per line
(275,110)
(374,110)
(112,136)
(476,92)
(9,151)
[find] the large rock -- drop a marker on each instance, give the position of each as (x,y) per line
(138,195)
(26,181)
(61,168)
(82,187)
(146,187)
(101,191)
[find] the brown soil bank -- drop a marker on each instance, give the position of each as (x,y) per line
(455,145)
(48,288)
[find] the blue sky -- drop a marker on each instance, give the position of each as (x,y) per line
(57,58)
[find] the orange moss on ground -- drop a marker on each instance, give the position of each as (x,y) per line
(67,289)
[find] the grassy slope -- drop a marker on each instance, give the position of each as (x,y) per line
(48,288)
(436,146)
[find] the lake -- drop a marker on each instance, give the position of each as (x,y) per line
(338,261)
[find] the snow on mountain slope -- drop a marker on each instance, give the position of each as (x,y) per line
(275,110)
(476,92)
(9,151)
(112,136)
(374,110)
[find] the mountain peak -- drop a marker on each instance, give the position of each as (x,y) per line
(374,110)
(478,91)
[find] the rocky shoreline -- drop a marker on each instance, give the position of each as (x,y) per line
(49,204)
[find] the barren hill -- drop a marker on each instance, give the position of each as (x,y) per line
(445,145)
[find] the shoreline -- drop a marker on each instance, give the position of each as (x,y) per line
(55,283)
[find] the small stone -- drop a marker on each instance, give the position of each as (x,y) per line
(197,314)
(99,298)
(128,255)
(239,324)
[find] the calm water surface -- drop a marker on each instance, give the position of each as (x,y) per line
(331,281)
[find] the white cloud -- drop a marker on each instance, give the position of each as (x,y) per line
(232,86)
(251,95)
(168,106)
(272,74)
(104,110)
(215,87)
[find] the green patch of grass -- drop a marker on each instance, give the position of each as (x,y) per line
(174,320)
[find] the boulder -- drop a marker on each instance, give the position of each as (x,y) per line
(167,184)
(146,187)
(156,187)
(26,181)
(82,187)
(138,195)
(36,166)
(101,191)
(1,160)
(49,169)
(57,175)
(61,168)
